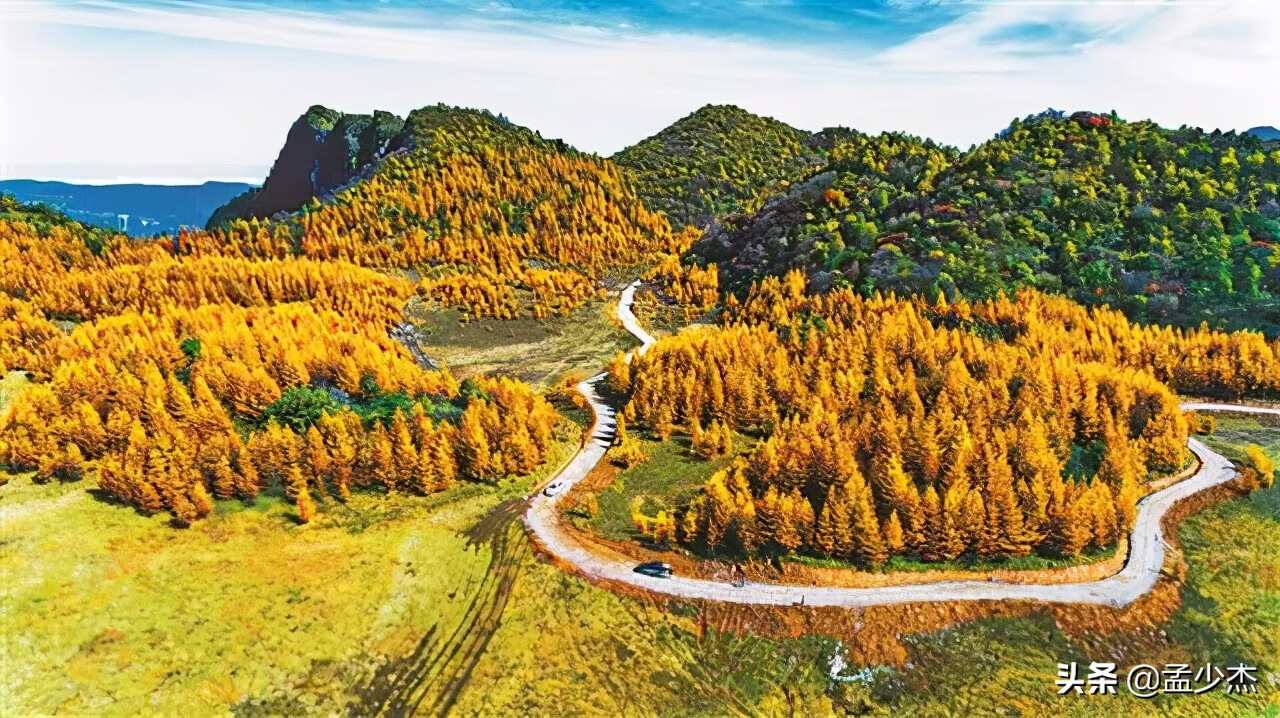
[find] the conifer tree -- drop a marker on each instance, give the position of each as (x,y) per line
(719,511)
(894,539)
(833,534)
(247,482)
(1072,526)
(868,543)
(404,452)
(937,544)
(1102,509)
(316,459)
(382,459)
(906,503)
(306,505)
(90,434)
(474,451)
(745,525)
(689,525)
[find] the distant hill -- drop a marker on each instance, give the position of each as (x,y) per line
(1266,132)
(717,161)
(138,209)
(1171,225)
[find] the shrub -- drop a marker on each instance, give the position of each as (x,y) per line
(300,407)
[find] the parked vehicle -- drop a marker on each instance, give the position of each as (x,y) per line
(657,569)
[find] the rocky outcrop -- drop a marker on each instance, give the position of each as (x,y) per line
(324,150)
(749,246)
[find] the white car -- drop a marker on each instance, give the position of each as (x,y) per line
(554,488)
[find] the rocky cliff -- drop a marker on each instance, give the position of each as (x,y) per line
(324,150)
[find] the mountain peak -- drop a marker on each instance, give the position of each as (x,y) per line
(321,117)
(327,149)
(717,160)
(440,129)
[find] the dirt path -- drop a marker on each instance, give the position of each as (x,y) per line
(1139,575)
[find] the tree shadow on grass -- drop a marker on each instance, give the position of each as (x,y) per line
(430,677)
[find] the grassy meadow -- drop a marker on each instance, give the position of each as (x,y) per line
(539,352)
(668,479)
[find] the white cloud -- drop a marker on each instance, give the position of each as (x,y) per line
(109,86)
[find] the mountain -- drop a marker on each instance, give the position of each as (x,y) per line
(138,209)
(1169,225)
(326,150)
(491,214)
(1266,132)
(717,161)
(323,150)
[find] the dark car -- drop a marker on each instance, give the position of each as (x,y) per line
(657,569)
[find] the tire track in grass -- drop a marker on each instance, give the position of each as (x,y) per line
(429,679)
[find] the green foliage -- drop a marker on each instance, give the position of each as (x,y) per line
(381,408)
(1176,226)
(190,348)
(668,479)
(372,135)
(468,391)
(717,161)
(321,117)
(300,407)
(1084,461)
(369,387)
(439,131)
(45,218)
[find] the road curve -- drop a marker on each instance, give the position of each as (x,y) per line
(1139,575)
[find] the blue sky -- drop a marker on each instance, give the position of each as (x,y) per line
(844,26)
(112,90)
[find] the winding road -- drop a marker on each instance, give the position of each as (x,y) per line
(1139,575)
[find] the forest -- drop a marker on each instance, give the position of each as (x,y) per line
(909,427)
(257,353)
(218,364)
(718,161)
(478,226)
(1175,226)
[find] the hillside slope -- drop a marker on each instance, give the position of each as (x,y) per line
(323,150)
(1266,132)
(1171,225)
(488,212)
(717,161)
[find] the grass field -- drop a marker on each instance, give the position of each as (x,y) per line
(108,612)
(670,477)
(11,385)
(1237,431)
(566,648)
(537,351)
